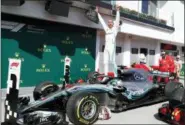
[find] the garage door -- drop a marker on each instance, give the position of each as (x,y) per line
(42,47)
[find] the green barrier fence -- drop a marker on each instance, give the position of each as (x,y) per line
(182,71)
(42,50)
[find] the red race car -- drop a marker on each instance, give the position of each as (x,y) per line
(174,111)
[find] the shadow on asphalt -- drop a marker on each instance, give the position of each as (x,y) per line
(157,117)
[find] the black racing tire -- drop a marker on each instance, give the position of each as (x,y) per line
(75,105)
(44,89)
(171,87)
(92,78)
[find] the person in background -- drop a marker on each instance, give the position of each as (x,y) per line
(171,62)
(163,67)
(178,66)
(142,64)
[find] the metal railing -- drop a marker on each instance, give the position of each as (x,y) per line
(167,18)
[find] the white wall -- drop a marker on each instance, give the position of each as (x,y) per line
(133,5)
(150,44)
(126,42)
(179,22)
(166,11)
(126,56)
(167,8)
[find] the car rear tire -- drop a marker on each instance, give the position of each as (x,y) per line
(83,108)
(44,89)
(171,87)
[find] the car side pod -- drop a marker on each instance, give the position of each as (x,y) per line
(12,92)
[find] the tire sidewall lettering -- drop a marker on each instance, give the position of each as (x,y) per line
(89,97)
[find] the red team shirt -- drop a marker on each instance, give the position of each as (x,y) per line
(141,66)
(163,65)
(167,64)
(171,63)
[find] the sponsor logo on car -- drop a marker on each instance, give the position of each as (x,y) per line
(44,119)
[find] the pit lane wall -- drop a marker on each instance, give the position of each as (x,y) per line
(42,49)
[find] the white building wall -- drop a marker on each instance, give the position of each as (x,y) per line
(179,22)
(133,5)
(164,11)
(157,53)
(173,12)
(167,9)
(126,53)
(149,44)
(120,42)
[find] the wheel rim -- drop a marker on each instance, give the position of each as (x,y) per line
(88,109)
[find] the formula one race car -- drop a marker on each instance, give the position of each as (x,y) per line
(174,111)
(83,102)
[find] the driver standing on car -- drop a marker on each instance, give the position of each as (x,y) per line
(111,31)
(163,67)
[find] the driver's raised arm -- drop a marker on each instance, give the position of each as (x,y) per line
(101,20)
(117,21)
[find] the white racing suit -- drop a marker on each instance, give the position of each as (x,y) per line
(110,45)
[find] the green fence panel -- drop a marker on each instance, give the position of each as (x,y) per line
(182,71)
(42,50)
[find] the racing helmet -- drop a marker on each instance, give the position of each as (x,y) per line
(142,58)
(163,53)
(178,57)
